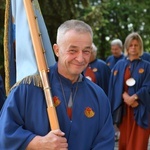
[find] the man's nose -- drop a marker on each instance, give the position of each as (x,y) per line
(80,57)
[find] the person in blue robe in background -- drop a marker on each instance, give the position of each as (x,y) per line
(2,93)
(129,94)
(117,54)
(82,107)
(97,71)
(146,56)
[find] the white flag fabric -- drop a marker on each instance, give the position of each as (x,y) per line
(20,49)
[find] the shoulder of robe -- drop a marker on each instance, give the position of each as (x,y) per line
(35,79)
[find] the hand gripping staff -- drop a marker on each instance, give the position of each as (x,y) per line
(41,62)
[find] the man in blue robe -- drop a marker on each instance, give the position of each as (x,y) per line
(116,50)
(97,71)
(88,125)
(146,56)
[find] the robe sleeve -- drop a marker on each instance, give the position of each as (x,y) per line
(144,92)
(103,80)
(105,137)
(13,136)
(142,89)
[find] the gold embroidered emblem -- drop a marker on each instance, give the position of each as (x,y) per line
(115,72)
(94,69)
(56,101)
(141,70)
(89,112)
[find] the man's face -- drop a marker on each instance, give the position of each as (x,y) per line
(116,50)
(73,53)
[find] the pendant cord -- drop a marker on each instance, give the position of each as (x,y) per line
(71,98)
(130,66)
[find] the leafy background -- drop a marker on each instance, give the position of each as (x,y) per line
(109,19)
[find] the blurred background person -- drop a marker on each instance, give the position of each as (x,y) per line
(129,94)
(2,93)
(117,54)
(97,70)
(146,56)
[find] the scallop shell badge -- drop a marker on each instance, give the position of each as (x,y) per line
(89,112)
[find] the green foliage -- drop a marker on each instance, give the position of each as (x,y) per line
(56,12)
(116,19)
(109,19)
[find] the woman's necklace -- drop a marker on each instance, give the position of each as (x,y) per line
(131,81)
(69,105)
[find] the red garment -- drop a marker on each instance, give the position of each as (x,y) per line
(90,74)
(132,136)
(69,112)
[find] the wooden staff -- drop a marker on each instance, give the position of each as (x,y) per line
(41,62)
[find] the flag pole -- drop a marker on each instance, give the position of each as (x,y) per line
(41,63)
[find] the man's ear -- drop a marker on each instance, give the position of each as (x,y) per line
(56,49)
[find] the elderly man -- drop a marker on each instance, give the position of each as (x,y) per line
(82,107)
(116,50)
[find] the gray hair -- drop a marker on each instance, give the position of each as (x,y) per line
(77,25)
(117,42)
(129,38)
(94,48)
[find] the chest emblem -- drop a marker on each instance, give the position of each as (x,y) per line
(56,101)
(89,112)
(94,69)
(115,72)
(141,70)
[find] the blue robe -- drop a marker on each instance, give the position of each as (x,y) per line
(24,115)
(140,71)
(146,56)
(111,60)
(2,93)
(102,73)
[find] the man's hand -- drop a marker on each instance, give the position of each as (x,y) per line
(54,140)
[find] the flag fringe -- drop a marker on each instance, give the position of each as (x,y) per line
(35,79)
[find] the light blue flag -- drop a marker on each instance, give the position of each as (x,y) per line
(20,46)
